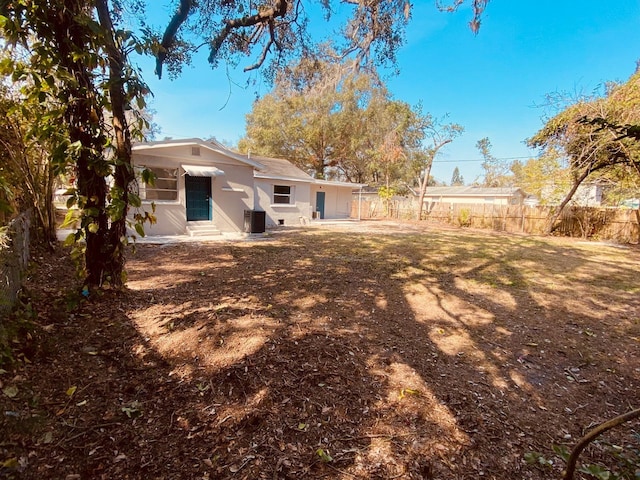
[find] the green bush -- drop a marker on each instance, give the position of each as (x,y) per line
(464,217)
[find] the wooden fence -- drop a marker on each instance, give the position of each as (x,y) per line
(14,258)
(613,224)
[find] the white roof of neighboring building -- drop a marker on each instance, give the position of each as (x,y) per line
(473,191)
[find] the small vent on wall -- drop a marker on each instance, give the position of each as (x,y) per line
(195,151)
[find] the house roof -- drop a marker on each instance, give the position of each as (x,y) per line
(212,145)
(264,167)
(473,191)
(278,168)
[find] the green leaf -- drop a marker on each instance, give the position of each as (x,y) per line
(93,227)
(596,471)
(324,456)
(71,201)
(70,240)
(69,219)
(148,177)
(139,229)
(562,451)
(71,390)
(134,200)
(10,391)
(10,463)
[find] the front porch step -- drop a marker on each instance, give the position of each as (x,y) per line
(197,229)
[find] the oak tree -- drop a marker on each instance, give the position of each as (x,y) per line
(591,149)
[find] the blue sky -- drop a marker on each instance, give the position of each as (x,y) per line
(494,83)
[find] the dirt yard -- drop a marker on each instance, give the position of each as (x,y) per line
(375,351)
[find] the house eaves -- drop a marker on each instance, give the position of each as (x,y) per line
(317,181)
(266,176)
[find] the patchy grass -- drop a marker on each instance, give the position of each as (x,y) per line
(384,351)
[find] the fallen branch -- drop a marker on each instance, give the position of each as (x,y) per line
(592,435)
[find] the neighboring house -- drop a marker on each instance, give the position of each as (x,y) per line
(476,195)
(587,195)
(203,187)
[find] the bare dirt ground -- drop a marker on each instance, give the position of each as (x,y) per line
(374,351)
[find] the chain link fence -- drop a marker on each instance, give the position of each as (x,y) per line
(14,258)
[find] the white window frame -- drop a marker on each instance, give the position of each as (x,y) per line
(281,195)
(165,181)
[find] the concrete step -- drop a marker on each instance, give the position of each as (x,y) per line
(198,229)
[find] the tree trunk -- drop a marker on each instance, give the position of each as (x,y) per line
(556,214)
(124,174)
(423,188)
(84,118)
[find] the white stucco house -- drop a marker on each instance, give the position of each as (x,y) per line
(204,187)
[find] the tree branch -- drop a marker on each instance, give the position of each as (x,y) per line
(279,9)
(592,435)
(170,33)
(272,40)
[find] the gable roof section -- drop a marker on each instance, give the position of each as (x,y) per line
(280,169)
(198,142)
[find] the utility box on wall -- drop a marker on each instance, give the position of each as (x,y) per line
(254,221)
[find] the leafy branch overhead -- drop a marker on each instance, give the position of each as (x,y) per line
(371,35)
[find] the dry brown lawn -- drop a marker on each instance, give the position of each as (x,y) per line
(377,351)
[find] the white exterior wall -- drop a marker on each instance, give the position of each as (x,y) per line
(337,200)
(588,195)
(232,193)
(289,214)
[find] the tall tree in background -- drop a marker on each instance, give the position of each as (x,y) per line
(396,131)
(456,179)
(330,121)
(439,135)
(546,177)
(496,172)
(591,148)
(313,116)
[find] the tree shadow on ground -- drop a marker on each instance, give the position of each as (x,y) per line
(342,355)
(476,359)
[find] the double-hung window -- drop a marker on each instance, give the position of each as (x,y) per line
(282,195)
(163,187)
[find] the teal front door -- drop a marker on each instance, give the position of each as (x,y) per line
(320,203)
(198,191)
